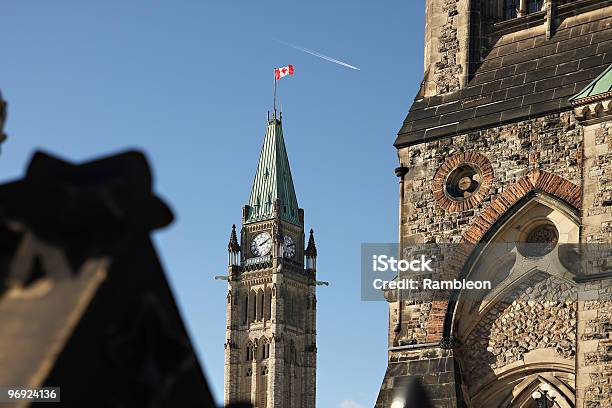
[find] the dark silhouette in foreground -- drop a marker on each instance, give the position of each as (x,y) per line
(84,302)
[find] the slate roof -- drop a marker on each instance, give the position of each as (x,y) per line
(273,179)
(525,75)
(602,85)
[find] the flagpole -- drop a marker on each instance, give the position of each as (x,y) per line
(275,94)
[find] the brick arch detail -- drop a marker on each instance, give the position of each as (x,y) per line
(536,180)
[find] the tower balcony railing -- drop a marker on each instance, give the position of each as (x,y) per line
(260,262)
(258,324)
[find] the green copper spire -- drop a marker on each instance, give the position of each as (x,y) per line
(599,88)
(273,180)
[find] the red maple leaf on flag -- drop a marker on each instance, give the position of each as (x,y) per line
(282,72)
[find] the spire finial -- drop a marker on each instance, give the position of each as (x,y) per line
(311,249)
(233,245)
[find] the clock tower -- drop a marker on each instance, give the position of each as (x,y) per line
(270,347)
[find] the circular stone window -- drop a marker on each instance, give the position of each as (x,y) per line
(462,181)
(539,240)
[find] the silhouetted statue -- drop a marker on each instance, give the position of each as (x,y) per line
(84,302)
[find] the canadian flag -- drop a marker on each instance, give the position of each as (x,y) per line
(284,71)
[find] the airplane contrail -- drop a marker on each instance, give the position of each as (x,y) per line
(317,54)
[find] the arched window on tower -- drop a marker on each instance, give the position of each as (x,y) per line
(265,350)
(246,308)
(268,305)
(252,306)
(260,304)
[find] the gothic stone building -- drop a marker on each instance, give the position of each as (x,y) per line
(509,140)
(270,349)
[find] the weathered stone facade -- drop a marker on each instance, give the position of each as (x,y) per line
(532,317)
(500,158)
(594,368)
(445,46)
(447,70)
(550,143)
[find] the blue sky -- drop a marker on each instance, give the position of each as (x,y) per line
(189,83)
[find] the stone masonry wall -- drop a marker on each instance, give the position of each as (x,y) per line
(598,183)
(434,367)
(594,380)
(594,366)
(538,315)
(446,46)
(551,143)
(448,69)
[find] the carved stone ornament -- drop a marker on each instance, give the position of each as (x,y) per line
(539,241)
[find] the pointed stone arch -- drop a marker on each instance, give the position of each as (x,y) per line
(512,213)
(264,348)
(534,181)
(248,350)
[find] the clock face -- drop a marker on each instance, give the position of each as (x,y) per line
(261,244)
(289,246)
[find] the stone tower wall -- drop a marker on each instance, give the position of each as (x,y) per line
(446,45)
(283,376)
(594,364)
